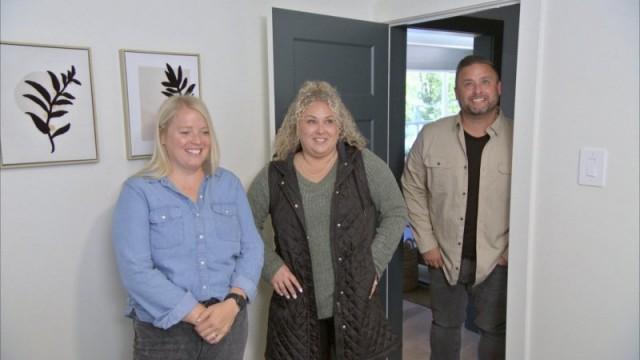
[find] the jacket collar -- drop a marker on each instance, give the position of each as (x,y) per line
(495,129)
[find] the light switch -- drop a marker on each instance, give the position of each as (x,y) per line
(593,167)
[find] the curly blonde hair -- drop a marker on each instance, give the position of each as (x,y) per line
(287,139)
(159,165)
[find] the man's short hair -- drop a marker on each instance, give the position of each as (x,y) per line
(475,59)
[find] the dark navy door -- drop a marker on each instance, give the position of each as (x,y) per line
(352,55)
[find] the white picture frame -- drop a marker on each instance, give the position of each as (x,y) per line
(148,78)
(47,113)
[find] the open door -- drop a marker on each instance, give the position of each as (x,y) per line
(352,55)
(349,54)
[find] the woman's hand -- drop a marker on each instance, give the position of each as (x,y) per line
(285,283)
(215,322)
(374,286)
(433,258)
(195,313)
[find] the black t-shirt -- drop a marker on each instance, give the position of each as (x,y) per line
(474,156)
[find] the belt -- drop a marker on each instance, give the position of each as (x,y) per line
(209,302)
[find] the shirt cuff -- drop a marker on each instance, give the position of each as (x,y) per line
(425,245)
(245,284)
(184,307)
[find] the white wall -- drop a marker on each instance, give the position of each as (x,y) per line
(583,241)
(60,296)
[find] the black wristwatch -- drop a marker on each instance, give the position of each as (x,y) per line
(239,299)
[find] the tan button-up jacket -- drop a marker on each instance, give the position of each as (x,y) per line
(435,183)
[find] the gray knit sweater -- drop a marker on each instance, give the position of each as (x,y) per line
(316,200)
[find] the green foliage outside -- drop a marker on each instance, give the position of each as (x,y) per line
(430,96)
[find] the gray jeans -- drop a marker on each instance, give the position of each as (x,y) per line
(182,342)
(449,303)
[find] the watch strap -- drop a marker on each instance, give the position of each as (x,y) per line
(239,299)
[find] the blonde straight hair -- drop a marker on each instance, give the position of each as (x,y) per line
(159,165)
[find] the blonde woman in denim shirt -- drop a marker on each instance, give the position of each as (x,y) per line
(186,244)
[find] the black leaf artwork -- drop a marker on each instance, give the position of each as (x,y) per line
(47,102)
(176,84)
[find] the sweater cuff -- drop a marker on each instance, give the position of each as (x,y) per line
(381,254)
(270,268)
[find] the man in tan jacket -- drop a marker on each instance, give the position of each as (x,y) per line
(457,184)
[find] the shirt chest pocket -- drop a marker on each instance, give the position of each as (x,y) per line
(500,175)
(504,168)
(503,181)
(439,175)
(166,227)
(226,222)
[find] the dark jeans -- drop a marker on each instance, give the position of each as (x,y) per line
(449,303)
(182,342)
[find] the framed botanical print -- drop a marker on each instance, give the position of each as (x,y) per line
(47,113)
(148,79)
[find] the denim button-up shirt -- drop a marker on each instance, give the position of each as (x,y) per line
(173,252)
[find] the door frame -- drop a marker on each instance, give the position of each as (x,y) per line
(528,89)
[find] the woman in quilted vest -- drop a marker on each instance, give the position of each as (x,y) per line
(337,215)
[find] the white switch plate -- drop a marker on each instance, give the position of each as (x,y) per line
(593,167)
